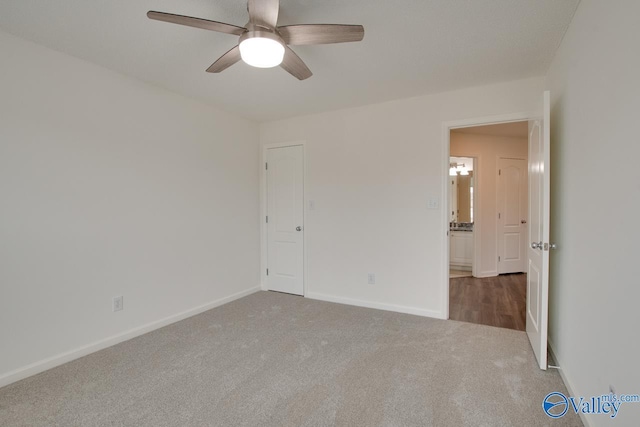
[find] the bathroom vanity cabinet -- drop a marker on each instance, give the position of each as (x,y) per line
(461,249)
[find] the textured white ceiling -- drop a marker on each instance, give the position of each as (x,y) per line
(411,47)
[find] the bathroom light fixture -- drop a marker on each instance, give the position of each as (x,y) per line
(261,49)
(458,169)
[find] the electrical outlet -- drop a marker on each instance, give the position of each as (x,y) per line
(371,278)
(118,303)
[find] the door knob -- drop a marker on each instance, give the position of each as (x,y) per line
(535,245)
(524,221)
(298,228)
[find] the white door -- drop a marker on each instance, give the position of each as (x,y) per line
(538,250)
(512,215)
(285,260)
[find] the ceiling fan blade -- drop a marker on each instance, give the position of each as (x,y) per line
(294,65)
(297,35)
(264,12)
(225,61)
(189,21)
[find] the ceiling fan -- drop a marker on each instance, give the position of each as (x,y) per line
(262,43)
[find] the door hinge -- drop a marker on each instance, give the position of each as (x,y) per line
(498,258)
(267,271)
(499,215)
(266,166)
(499,171)
(267,219)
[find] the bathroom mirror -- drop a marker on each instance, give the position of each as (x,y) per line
(461,183)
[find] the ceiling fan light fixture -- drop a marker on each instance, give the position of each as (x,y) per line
(263,43)
(261,49)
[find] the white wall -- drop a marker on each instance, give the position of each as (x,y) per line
(594,287)
(110,186)
(370,171)
(487,149)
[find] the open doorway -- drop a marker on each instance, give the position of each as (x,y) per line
(488,208)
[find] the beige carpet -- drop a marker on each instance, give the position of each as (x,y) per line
(278,360)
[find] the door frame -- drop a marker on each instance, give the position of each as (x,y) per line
(263,212)
(447,127)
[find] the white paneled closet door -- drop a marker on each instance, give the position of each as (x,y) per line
(285,228)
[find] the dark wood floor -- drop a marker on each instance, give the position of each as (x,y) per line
(494,301)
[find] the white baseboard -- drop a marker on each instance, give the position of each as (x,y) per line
(68,356)
(483,274)
(570,388)
(463,267)
(377,305)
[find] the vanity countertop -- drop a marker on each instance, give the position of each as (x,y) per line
(461,226)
